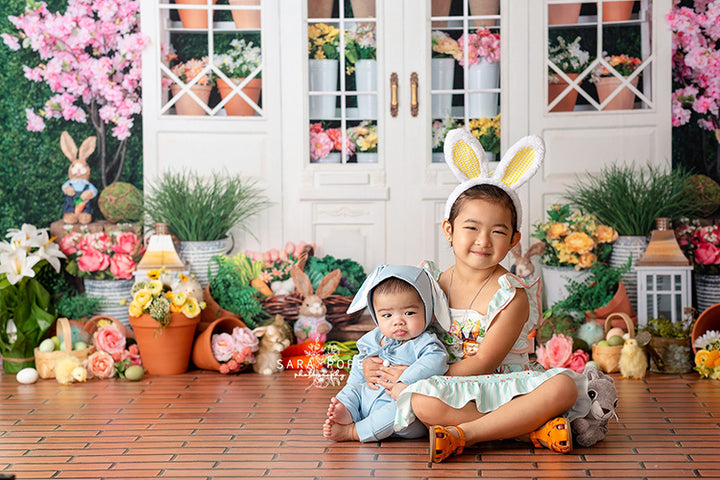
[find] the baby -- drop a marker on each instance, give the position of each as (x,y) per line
(401,300)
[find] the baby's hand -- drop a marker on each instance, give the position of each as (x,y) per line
(396,389)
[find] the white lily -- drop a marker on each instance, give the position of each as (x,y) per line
(28,236)
(50,251)
(18,265)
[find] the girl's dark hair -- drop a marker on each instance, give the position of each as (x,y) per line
(487,192)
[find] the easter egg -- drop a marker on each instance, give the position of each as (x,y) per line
(80,346)
(603,343)
(592,364)
(56,339)
(614,331)
(27,376)
(615,341)
(590,332)
(47,345)
(134,372)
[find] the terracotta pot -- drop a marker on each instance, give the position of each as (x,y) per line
(195,18)
(363,8)
(237,106)
(567,104)
(246,19)
(708,320)
(564,14)
(484,7)
(617,11)
(202,355)
(619,303)
(165,351)
(320,8)
(440,8)
(186,105)
(212,311)
(625,98)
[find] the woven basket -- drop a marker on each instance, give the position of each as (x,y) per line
(609,357)
(288,306)
(45,361)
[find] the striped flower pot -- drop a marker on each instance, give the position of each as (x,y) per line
(197,256)
(114,297)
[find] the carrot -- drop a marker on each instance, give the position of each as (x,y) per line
(261,286)
(304,348)
(79,207)
(303,362)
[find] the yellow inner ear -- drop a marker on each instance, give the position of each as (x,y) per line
(518,166)
(466,160)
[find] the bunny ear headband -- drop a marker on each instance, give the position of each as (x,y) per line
(467,160)
(426,286)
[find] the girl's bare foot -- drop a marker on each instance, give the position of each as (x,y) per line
(338,432)
(338,412)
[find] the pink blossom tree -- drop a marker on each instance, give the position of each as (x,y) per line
(90,58)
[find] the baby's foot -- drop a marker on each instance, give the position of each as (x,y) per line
(339,433)
(338,412)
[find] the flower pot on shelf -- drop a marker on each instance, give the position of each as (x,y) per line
(332,157)
(246,19)
(194,18)
(212,311)
(484,7)
(483,75)
(440,8)
(363,8)
(187,105)
(617,11)
(366,81)
(320,8)
(236,105)
(556,87)
(165,350)
(113,296)
(442,72)
(202,354)
(625,98)
(619,303)
(366,157)
(323,78)
(565,14)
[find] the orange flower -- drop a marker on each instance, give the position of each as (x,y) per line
(702,358)
(558,230)
(586,260)
(605,234)
(579,242)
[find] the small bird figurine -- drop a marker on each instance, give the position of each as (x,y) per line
(633,362)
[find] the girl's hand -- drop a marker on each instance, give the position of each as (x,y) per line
(391,373)
(371,371)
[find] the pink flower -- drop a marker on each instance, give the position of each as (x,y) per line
(110,340)
(222,346)
(133,353)
(99,241)
(101,364)
(244,337)
(126,242)
(122,266)
(68,244)
(10,41)
(707,254)
(556,352)
(320,145)
(578,360)
(35,123)
(93,260)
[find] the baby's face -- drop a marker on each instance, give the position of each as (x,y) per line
(401,315)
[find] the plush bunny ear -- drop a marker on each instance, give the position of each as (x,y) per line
(361,297)
(67,145)
(520,162)
(441,309)
(465,155)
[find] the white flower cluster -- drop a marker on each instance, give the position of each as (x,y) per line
(27,247)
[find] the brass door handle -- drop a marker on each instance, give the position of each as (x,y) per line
(393,94)
(414,94)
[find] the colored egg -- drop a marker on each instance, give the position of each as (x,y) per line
(47,345)
(134,373)
(614,331)
(27,376)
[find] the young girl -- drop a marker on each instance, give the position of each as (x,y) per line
(492,391)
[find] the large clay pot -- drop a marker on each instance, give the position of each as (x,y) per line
(567,104)
(708,320)
(246,19)
(193,18)
(565,14)
(212,311)
(187,105)
(625,98)
(202,355)
(617,11)
(165,350)
(320,8)
(619,303)
(237,106)
(484,7)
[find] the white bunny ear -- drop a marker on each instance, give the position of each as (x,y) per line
(361,297)
(520,162)
(441,309)
(465,155)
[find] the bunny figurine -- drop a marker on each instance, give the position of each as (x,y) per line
(523,266)
(78,190)
(311,323)
(274,338)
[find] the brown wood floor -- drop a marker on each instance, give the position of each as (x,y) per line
(204,425)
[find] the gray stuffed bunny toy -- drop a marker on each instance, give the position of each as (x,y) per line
(593,427)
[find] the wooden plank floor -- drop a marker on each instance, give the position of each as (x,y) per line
(204,425)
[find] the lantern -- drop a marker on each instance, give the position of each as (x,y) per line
(160,253)
(663,279)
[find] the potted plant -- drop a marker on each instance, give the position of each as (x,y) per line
(201,210)
(164,313)
(482,59)
(445,51)
(701,244)
(571,60)
(326,144)
(707,353)
(26,310)
(487,131)
(670,347)
(440,129)
(364,136)
(360,52)
(241,64)
(603,76)
(323,46)
(573,244)
(195,73)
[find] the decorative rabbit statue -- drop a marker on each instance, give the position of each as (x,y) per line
(523,265)
(311,323)
(78,190)
(274,338)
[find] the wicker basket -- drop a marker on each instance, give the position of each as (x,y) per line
(288,306)
(609,357)
(45,361)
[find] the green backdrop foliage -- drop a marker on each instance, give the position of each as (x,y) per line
(32,166)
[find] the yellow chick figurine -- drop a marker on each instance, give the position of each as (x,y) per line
(633,362)
(64,368)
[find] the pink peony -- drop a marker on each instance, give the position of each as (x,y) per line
(133,353)
(110,340)
(101,365)
(556,352)
(707,254)
(69,243)
(222,346)
(93,260)
(578,360)
(126,242)
(320,145)
(244,337)
(122,266)
(99,241)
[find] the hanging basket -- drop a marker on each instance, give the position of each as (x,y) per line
(45,361)
(609,357)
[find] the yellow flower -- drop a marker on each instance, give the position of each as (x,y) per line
(714,360)
(605,234)
(702,358)
(179,299)
(153,274)
(142,298)
(135,310)
(558,230)
(586,260)
(579,242)
(191,309)
(154,287)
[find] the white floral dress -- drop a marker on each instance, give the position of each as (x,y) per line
(515,376)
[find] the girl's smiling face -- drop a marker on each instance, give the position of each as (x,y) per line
(482,233)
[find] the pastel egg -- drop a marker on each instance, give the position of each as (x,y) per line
(47,345)
(27,376)
(614,331)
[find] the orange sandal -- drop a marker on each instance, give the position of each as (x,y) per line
(555,435)
(443,443)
